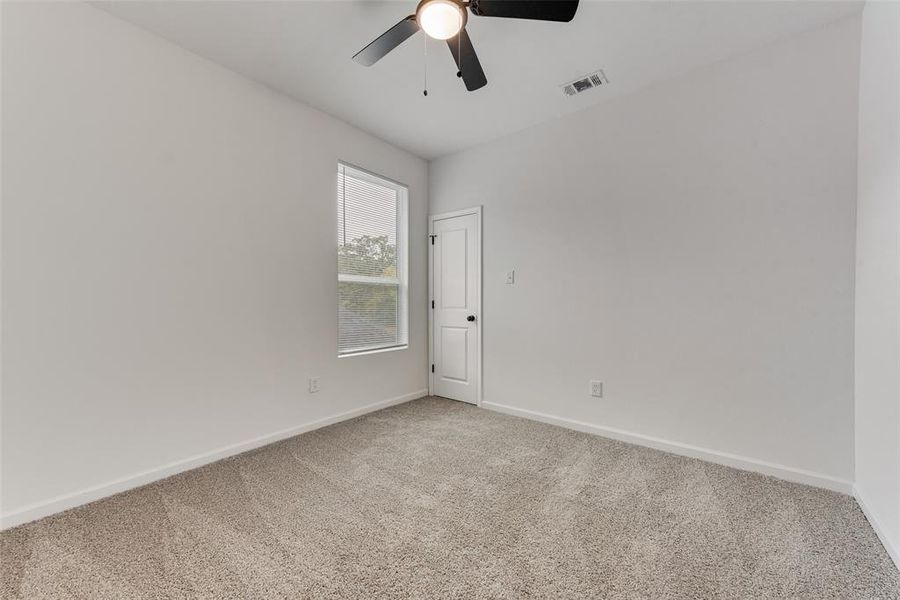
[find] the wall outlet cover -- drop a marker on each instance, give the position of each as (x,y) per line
(596,388)
(510,277)
(313,385)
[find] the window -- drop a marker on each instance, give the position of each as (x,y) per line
(372,290)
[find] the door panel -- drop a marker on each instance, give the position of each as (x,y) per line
(455,280)
(453,269)
(454,352)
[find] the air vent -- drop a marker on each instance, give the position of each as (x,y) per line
(585,83)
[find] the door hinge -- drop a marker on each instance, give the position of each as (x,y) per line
(432,304)
(432,368)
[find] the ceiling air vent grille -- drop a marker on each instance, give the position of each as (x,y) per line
(585,83)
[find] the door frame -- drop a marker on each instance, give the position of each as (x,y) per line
(475,210)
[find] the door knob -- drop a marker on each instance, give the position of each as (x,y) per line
(470,318)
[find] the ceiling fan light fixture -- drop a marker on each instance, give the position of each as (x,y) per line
(446,20)
(440,19)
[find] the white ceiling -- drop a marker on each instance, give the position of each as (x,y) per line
(303,49)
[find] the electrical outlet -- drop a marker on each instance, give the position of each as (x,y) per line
(313,385)
(596,388)
(510,277)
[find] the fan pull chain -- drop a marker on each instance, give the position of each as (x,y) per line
(459,52)
(425,66)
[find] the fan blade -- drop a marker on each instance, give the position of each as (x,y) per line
(387,41)
(467,61)
(541,10)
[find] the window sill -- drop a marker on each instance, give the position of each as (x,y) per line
(373,351)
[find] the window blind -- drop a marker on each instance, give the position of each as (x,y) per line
(372,291)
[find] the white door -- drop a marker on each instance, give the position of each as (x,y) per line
(456,295)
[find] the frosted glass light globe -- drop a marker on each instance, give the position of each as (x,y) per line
(440,19)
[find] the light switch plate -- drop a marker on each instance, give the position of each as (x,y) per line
(313,385)
(510,277)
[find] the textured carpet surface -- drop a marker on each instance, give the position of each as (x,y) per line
(437,499)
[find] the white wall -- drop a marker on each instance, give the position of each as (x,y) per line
(878,274)
(169,260)
(692,245)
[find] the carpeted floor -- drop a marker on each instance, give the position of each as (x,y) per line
(437,499)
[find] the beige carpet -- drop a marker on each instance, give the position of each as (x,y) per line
(437,499)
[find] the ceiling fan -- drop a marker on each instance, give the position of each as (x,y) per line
(446,20)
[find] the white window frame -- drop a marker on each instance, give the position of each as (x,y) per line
(402,279)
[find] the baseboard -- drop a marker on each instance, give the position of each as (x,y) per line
(67,501)
(714,456)
(892,550)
